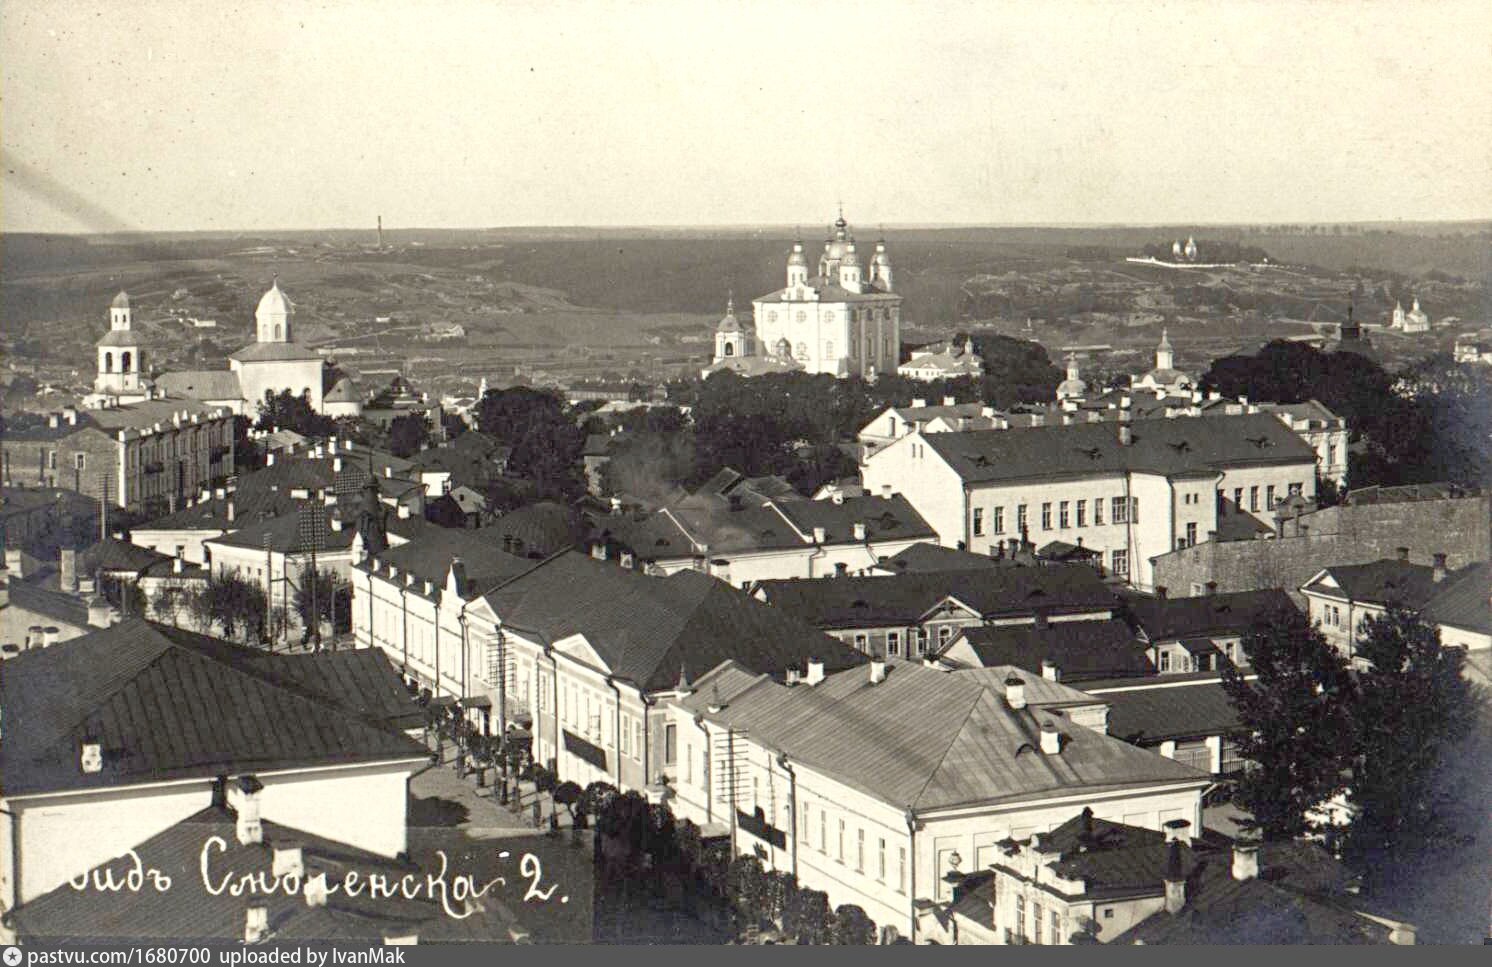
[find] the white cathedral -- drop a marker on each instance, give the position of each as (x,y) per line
(845,320)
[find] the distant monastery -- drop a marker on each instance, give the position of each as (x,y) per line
(845,320)
(271,364)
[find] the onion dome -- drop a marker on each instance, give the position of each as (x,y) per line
(797,258)
(274,301)
(121,301)
(881,257)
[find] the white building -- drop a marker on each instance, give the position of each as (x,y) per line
(878,784)
(844,320)
(1165,379)
(1415,320)
(121,361)
(949,360)
(1127,490)
(895,422)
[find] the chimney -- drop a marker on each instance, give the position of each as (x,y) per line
(1160,592)
(35,637)
(860,531)
(176,564)
(329,498)
(885,491)
(1175,879)
(877,670)
(918,404)
(820,535)
(1015,692)
(230,510)
(1211,587)
(245,801)
(71,415)
(409,937)
(331,446)
(315,889)
(256,924)
(950,401)
(1403,553)
(815,672)
(403,511)
(1439,571)
(1051,739)
(99,614)
(1126,432)
(1177,831)
(1050,671)
(49,635)
(14,563)
(68,566)
(91,756)
(220,493)
(388,471)
(1245,860)
(53,421)
(336,464)
(269,459)
(334,522)
(289,859)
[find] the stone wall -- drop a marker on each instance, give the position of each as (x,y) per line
(1461,528)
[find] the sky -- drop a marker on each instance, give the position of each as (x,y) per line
(266,114)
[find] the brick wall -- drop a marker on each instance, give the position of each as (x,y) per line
(1459,527)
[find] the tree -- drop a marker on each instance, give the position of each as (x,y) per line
(568,794)
(286,411)
(853,927)
(1414,704)
(123,594)
(232,604)
(546,443)
(408,434)
(1296,723)
(333,602)
(808,917)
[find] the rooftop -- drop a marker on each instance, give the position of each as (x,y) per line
(1080,649)
(1165,618)
(1386,582)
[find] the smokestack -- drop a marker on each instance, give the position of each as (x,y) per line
(815,672)
(1015,692)
(1439,567)
(1051,739)
(68,567)
(1245,860)
(877,670)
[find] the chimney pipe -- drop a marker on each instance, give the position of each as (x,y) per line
(315,890)
(1175,879)
(288,859)
(99,613)
(1050,671)
(176,564)
(877,670)
(820,535)
(1439,571)
(859,531)
(1126,433)
(1178,831)
(1051,739)
(815,672)
(1015,692)
(245,794)
(269,459)
(230,510)
(256,923)
(1245,860)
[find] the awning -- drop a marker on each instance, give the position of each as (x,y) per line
(476,701)
(585,750)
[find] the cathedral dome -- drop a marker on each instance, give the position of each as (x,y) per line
(730,323)
(849,257)
(797,258)
(1070,388)
(121,301)
(274,302)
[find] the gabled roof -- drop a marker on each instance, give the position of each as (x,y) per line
(922,557)
(275,352)
(1080,649)
(646,629)
(112,554)
(1147,716)
(1464,602)
(1168,447)
(62,608)
(925,739)
(1381,582)
(168,704)
(1163,619)
(538,530)
(782,524)
(201,384)
(429,557)
(860,602)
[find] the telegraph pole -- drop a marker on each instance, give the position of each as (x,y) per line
(269,591)
(310,537)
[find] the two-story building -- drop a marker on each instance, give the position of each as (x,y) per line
(877,784)
(1127,490)
(1340,600)
(895,422)
(1197,634)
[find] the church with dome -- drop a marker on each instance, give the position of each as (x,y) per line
(1165,379)
(273,362)
(844,319)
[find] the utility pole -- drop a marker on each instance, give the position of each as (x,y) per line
(269,591)
(310,537)
(103,507)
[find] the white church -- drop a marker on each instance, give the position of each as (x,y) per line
(845,320)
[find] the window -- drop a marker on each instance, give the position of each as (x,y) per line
(862,643)
(1295,489)
(637,744)
(978,521)
(1191,534)
(1237,499)
(1020,517)
(802,350)
(999,522)
(1269,497)
(1046,517)
(823,831)
(893,643)
(1098,512)
(1020,916)
(839,852)
(1165,661)
(670,744)
(881,860)
(921,641)
(901,869)
(1082,513)
(1254,499)
(1119,563)
(1120,510)
(1062,516)
(51,459)
(78,461)
(1056,927)
(806,825)
(1331,455)
(689,764)
(860,850)
(829,350)
(1036,923)
(944,634)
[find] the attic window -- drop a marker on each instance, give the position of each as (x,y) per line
(661,542)
(981,461)
(1260,441)
(769,532)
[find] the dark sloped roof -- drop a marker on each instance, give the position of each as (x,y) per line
(1464,602)
(201,384)
(429,556)
(1170,447)
(62,608)
(859,602)
(1080,649)
(1382,582)
(293,532)
(1162,619)
(263,352)
(363,681)
(926,739)
(538,530)
(112,554)
(1151,715)
(647,628)
(168,704)
(936,557)
(188,912)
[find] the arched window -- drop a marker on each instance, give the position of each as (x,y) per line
(124,362)
(279,332)
(108,362)
(802,350)
(730,349)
